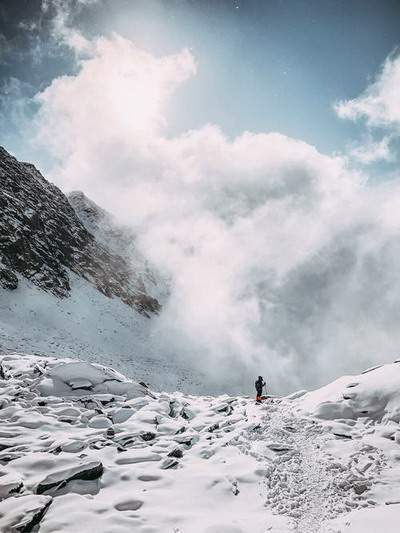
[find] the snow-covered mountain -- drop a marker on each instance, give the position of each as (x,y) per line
(84,449)
(120,240)
(73,282)
(43,240)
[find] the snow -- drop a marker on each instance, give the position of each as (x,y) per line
(168,466)
(83,448)
(91,326)
(66,379)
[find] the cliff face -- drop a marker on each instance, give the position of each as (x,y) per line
(43,239)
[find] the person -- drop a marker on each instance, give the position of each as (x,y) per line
(260,384)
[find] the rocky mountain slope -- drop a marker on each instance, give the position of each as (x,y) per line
(73,282)
(118,239)
(84,449)
(43,240)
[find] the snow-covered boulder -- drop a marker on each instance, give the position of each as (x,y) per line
(374,394)
(81,379)
(19,514)
(84,471)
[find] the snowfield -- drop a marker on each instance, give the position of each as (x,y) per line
(84,449)
(91,326)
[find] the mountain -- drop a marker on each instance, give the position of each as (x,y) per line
(118,239)
(43,240)
(82,448)
(73,282)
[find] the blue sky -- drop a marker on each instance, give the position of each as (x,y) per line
(268,65)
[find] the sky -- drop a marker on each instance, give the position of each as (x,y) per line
(262,65)
(253,148)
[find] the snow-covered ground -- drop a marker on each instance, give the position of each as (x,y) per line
(91,326)
(84,449)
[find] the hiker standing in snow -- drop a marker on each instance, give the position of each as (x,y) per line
(260,384)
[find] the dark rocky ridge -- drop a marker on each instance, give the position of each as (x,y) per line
(43,239)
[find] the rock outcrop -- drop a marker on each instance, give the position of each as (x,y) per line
(43,239)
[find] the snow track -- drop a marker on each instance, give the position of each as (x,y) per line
(303,480)
(82,449)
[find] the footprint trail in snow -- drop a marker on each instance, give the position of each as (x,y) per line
(304,481)
(83,448)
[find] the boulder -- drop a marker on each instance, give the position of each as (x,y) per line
(20,514)
(9,484)
(85,471)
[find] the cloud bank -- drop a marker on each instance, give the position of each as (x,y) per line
(379,105)
(282,260)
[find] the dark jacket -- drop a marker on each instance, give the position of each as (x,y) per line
(259,384)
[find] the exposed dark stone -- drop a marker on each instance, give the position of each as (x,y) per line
(342,435)
(147,436)
(186,440)
(35,518)
(7,457)
(4,445)
(176,452)
(9,488)
(360,488)
(169,463)
(86,471)
(42,239)
(8,280)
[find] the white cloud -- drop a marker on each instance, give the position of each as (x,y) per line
(379,105)
(370,151)
(281,258)
(62,14)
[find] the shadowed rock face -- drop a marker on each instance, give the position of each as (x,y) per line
(88,471)
(43,239)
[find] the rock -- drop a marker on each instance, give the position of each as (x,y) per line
(122,415)
(8,280)
(169,463)
(20,514)
(44,240)
(176,452)
(224,407)
(187,440)
(9,485)
(360,488)
(85,471)
(187,413)
(99,422)
(7,457)
(73,446)
(129,505)
(147,436)
(80,383)
(129,458)
(342,434)
(69,412)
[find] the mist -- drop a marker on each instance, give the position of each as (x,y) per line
(281,260)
